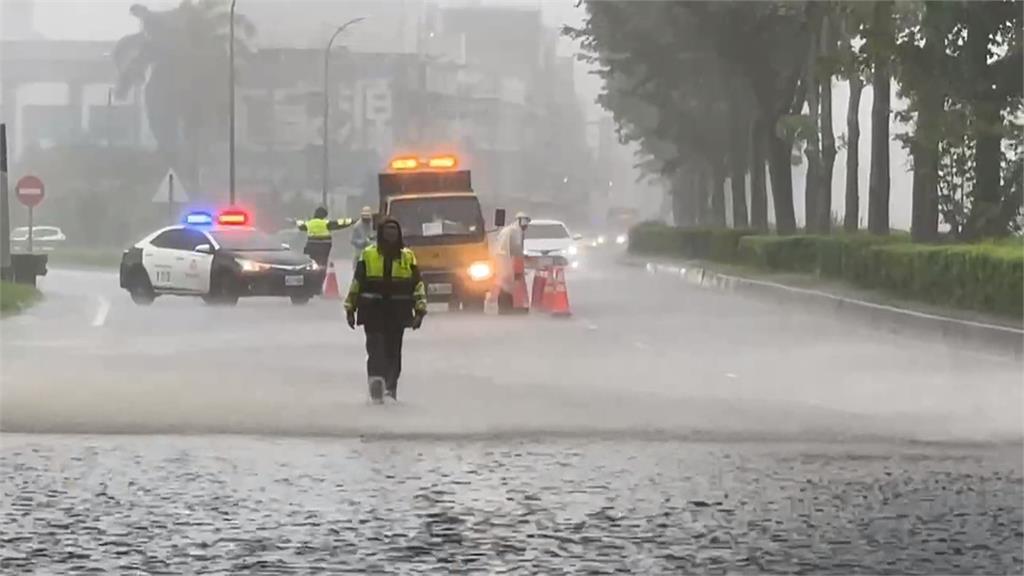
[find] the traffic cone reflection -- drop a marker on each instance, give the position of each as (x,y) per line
(537,293)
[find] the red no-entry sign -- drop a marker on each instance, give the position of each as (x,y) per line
(30,191)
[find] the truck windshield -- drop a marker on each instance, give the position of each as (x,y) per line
(438,219)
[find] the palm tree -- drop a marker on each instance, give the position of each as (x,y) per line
(180,59)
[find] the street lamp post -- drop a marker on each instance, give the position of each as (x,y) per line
(231,106)
(327,99)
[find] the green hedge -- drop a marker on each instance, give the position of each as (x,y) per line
(16,297)
(699,243)
(988,277)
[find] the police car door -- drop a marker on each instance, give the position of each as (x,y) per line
(195,268)
(158,258)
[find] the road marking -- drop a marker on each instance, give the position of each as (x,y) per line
(730,375)
(101,312)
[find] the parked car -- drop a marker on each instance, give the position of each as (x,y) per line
(44,238)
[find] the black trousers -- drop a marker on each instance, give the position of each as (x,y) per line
(320,252)
(384,353)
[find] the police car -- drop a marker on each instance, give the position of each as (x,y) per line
(219,260)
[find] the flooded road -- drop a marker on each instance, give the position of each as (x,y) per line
(662,429)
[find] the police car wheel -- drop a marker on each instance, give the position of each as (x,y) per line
(300,299)
(140,289)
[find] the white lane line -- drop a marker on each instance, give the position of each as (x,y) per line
(101,312)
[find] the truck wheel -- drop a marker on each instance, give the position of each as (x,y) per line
(140,288)
(222,291)
(474,304)
(505,303)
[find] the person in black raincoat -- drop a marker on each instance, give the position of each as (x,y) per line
(386,296)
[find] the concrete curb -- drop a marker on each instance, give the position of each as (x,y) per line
(892,318)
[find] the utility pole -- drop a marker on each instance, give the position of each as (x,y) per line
(327,107)
(231,107)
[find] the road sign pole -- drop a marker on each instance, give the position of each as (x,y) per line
(5,209)
(31,210)
(170,197)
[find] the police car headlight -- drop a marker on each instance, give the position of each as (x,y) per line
(480,271)
(621,239)
(312,266)
(573,250)
(251,265)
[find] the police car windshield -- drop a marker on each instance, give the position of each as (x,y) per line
(422,218)
(546,232)
(243,240)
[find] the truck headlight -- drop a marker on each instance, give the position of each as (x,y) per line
(480,271)
(621,239)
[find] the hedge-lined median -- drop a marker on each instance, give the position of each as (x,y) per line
(987,277)
(16,297)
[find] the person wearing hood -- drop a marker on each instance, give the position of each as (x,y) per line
(362,234)
(386,296)
(318,234)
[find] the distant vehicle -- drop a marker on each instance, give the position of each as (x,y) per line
(443,224)
(44,238)
(551,238)
(219,262)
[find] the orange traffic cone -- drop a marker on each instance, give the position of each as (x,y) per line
(556,295)
(537,294)
(331,291)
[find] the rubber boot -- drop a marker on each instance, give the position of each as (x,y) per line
(376,384)
(392,389)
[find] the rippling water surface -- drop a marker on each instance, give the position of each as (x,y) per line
(251,505)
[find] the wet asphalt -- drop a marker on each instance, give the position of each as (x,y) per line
(663,428)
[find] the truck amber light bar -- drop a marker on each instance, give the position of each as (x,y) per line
(442,162)
(405,164)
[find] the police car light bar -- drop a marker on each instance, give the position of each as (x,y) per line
(233,218)
(198,219)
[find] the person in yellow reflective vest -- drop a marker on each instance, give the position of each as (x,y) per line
(386,296)
(318,234)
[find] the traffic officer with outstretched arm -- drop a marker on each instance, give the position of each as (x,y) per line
(387,296)
(318,234)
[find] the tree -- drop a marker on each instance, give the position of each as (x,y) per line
(180,58)
(880,41)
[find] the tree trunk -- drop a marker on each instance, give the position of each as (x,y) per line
(812,151)
(700,196)
(924,148)
(878,185)
(828,137)
(781,167)
(718,195)
(758,189)
(738,169)
(851,217)
(680,214)
(684,212)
